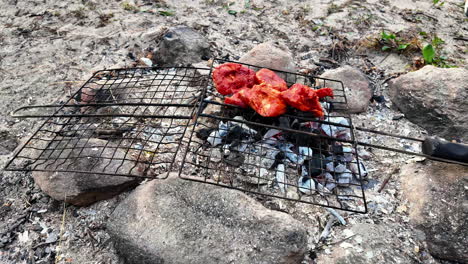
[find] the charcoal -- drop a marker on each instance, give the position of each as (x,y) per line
(215,138)
(286,149)
(304,153)
(362,169)
(336,130)
(269,157)
(281,178)
(344,179)
(329,181)
(306,185)
(315,166)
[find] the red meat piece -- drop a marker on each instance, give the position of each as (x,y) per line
(269,77)
(236,99)
(265,100)
(228,78)
(322,92)
(303,98)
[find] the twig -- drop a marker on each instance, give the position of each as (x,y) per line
(384,183)
(337,215)
(342,240)
(461,38)
(326,231)
(62,227)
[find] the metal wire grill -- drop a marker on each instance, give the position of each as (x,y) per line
(124,122)
(296,156)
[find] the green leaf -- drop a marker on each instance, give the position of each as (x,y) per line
(384,48)
(428,53)
(435,2)
(232,12)
(384,35)
(165,13)
(423,33)
(402,46)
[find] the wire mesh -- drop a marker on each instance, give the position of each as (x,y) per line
(296,156)
(124,122)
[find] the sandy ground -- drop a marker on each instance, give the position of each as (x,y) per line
(49,48)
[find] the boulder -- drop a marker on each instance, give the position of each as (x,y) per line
(435,99)
(178,221)
(436,193)
(82,189)
(181,46)
(271,55)
(357,89)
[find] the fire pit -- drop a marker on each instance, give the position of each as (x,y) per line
(147,122)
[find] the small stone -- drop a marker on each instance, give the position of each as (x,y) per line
(358,91)
(270,55)
(146,62)
(182,46)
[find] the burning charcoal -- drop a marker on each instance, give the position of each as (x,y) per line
(336,131)
(304,153)
(286,148)
(306,185)
(281,177)
(344,179)
(354,169)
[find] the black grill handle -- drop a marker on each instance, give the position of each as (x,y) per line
(440,148)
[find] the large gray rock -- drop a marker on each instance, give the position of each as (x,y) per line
(177,221)
(438,203)
(271,55)
(82,189)
(181,46)
(357,89)
(435,99)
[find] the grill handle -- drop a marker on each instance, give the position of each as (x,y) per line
(440,148)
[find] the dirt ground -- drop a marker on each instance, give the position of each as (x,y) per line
(49,48)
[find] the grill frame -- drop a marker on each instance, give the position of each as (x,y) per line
(311,79)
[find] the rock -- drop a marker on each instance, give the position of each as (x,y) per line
(357,88)
(181,46)
(177,221)
(435,99)
(271,55)
(82,189)
(436,193)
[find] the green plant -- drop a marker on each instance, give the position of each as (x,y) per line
(432,53)
(438,2)
(165,13)
(391,42)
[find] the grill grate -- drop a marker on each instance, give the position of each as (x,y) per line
(127,122)
(144,122)
(290,157)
